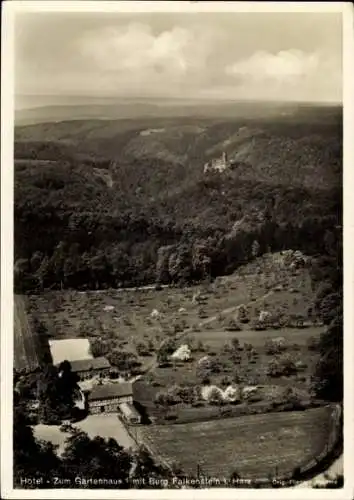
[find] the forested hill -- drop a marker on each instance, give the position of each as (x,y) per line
(103,203)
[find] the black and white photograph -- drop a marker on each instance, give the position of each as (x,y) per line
(175,250)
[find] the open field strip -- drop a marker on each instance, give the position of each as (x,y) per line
(25,345)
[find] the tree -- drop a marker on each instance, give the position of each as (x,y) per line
(201,260)
(97,459)
(282,365)
(167,347)
(235,343)
(100,347)
(323,290)
(55,395)
(330,307)
(162,264)
(206,367)
(232,325)
(22,275)
(275,346)
(31,458)
(255,249)
(328,375)
(123,360)
(180,264)
(215,396)
(243,314)
(146,472)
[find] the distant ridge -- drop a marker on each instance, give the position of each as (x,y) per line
(111,109)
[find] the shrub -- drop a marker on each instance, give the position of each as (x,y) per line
(235,343)
(142,349)
(178,327)
(243,314)
(313,344)
(166,399)
(226,380)
(150,345)
(275,346)
(113,373)
(226,348)
(197,404)
(300,365)
(207,366)
(123,360)
(202,314)
(282,366)
(232,326)
(258,325)
(236,357)
(323,290)
(200,346)
(215,396)
(167,347)
(330,307)
(254,397)
(236,377)
(185,393)
(171,416)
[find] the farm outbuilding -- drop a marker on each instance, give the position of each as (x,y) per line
(107,398)
(129,413)
(88,368)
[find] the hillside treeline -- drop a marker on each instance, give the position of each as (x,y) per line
(72,231)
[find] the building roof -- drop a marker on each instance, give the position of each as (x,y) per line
(83,365)
(107,391)
(69,349)
(128,410)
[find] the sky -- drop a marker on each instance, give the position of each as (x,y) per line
(262,56)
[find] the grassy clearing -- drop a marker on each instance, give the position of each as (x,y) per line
(217,338)
(126,315)
(256,446)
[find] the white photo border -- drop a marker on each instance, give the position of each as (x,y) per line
(10,9)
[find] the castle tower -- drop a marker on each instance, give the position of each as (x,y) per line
(224,158)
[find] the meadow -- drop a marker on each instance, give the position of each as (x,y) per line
(127,314)
(256,446)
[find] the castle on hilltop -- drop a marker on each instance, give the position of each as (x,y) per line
(217,164)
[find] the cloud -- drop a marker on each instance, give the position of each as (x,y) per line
(135,51)
(283,66)
(179,56)
(290,74)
